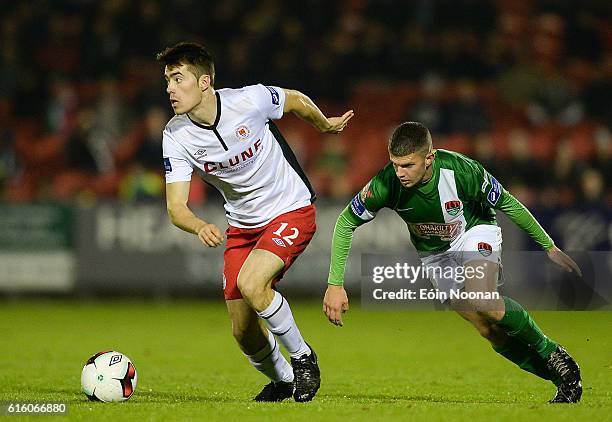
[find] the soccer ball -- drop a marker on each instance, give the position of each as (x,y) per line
(109,376)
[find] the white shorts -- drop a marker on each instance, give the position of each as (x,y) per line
(446,270)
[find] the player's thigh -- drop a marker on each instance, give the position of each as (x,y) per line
(259,270)
(440,269)
(479,254)
(288,235)
(481,276)
(278,246)
(247,327)
(481,302)
(240,243)
(480,243)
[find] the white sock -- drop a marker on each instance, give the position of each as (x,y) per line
(270,362)
(279,319)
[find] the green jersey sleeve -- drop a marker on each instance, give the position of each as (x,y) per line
(341,245)
(492,194)
(481,186)
(373,197)
(521,216)
(363,208)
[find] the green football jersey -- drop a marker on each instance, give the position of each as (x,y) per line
(460,195)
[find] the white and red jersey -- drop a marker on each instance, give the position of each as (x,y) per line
(242,154)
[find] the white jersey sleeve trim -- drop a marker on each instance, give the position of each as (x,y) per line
(177,168)
(269,100)
(359,209)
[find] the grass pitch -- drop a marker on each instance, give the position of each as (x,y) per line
(379,366)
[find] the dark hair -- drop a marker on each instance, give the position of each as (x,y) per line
(197,58)
(409,137)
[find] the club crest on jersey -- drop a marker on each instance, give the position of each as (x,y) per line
(365,192)
(485,249)
(242,132)
(452,207)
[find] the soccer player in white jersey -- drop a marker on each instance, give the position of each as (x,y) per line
(229,136)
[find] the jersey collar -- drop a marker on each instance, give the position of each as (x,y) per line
(214,125)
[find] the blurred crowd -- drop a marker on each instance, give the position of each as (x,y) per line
(524,86)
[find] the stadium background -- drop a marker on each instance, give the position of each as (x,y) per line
(522,86)
(89,261)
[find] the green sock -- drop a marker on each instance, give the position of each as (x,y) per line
(518,324)
(526,359)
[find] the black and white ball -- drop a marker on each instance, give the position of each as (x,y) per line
(109,376)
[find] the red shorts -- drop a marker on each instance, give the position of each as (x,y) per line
(286,237)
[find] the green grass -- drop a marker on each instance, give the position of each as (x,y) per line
(379,366)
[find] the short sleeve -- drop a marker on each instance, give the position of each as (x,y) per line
(269,100)
(176,167)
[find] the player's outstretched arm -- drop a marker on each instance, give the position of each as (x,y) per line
(303,107)
(177,194)
(521,216)
(335,302)
(560,258)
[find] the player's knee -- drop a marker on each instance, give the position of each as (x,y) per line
(492,314)
(481,322)
(250,289)
(485,326)
(485,308)
(485,330)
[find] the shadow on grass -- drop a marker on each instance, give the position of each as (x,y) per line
(73,395)
(381,398)
(182,397)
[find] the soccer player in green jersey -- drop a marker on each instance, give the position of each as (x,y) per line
(448,202)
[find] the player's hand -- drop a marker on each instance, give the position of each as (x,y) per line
(560,258)
(337,124)
(335,303)
(210,235)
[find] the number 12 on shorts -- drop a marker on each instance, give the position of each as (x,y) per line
(289,238)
